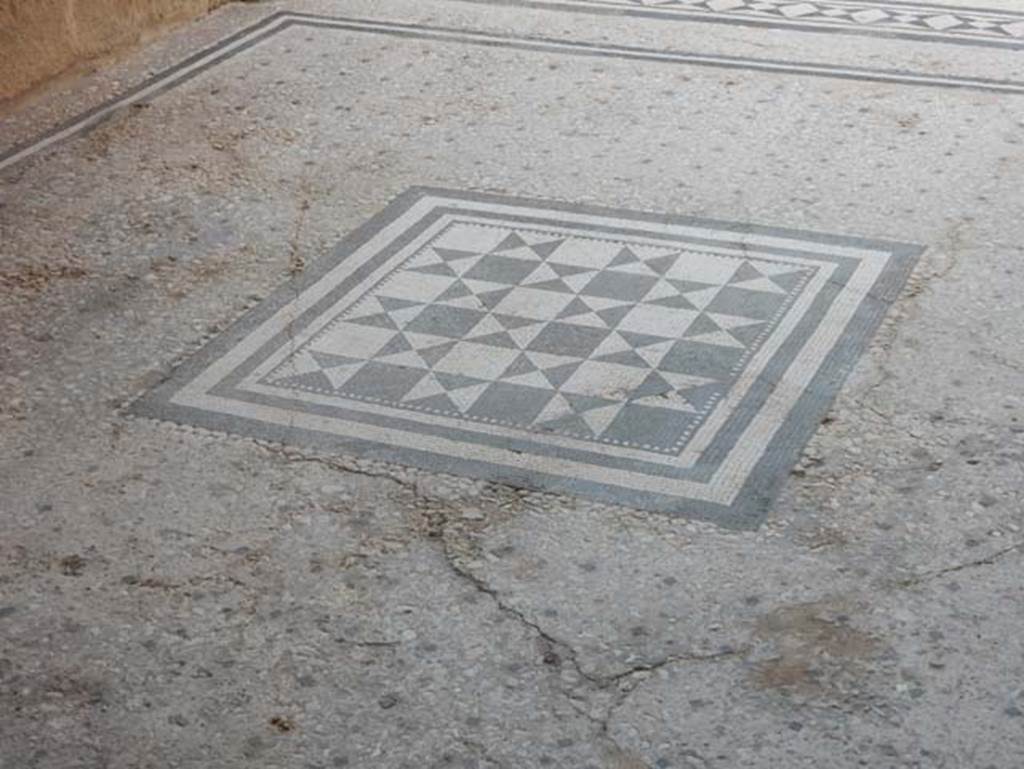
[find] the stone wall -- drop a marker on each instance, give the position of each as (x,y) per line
(43,38)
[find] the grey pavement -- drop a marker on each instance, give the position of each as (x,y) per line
(519,502)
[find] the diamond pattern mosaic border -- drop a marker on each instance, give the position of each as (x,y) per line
(935,21)
(665,363)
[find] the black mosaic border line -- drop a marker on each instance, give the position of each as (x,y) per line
(185,70)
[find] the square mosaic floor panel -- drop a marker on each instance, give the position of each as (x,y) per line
(660,362)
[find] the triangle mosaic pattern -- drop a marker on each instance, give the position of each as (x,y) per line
(662,362)
(607,340)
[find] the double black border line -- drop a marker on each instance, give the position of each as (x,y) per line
(260,31)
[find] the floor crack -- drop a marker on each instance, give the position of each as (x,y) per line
(568,652)
(481,751)
(617,687)
(676,659)
(367,644)
(333,463)
(987,560)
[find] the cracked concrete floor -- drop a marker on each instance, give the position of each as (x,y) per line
(171,597)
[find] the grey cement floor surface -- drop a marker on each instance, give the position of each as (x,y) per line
(172,596)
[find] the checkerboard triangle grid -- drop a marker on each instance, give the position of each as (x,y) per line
(603,340)
(460,332)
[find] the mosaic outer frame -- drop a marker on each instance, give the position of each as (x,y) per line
(733,480)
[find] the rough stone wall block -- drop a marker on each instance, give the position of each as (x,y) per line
(43,38)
